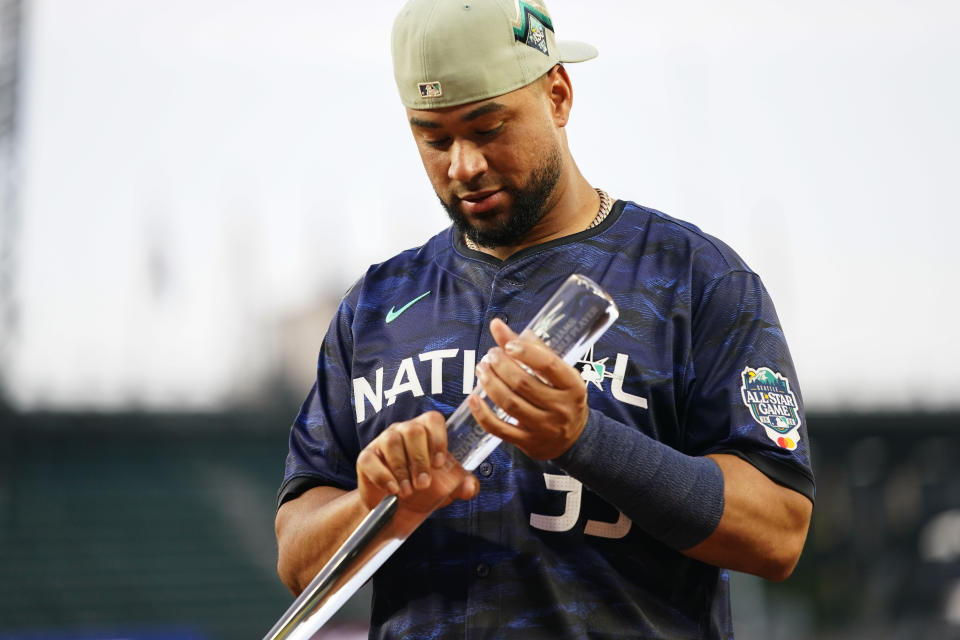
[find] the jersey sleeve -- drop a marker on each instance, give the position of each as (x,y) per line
(323,441)
(741,390)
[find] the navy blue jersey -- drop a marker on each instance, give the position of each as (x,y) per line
(696,360)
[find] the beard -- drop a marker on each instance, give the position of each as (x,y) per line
(529,207)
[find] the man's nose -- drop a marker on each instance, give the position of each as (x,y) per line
(466,161)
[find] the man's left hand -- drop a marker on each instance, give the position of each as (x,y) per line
(550,411)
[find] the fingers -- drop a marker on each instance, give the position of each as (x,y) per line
(410,459)
(531,351)
(512,388)
(486,418)
(405,452)
(401,458)
(505,374)
(550,406)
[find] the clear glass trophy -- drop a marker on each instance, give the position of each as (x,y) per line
(569,323)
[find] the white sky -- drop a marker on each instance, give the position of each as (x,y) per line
(195,172)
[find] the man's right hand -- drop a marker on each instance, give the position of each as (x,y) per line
(410,459)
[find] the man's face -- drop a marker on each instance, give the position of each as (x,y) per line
(493,163)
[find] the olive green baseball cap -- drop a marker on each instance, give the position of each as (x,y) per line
(451,52)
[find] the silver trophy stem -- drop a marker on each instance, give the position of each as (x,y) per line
(569,323)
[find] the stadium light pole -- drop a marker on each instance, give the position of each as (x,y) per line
(11,12)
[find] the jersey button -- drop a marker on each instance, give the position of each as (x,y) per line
(504,317)
(485,469)
(483,570)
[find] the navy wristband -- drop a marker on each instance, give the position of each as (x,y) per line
(676,498)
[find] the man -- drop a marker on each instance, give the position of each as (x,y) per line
(675,450)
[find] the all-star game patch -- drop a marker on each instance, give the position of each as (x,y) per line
(530,24)
(772,404)
(537,36)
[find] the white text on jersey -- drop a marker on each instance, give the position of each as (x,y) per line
(406,380)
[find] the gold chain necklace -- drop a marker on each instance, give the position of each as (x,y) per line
(606,204)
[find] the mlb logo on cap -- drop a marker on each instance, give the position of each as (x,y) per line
(430,90)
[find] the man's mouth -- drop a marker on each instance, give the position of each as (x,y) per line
(478,202)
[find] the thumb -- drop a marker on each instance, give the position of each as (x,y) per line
(469,487)
(501,332)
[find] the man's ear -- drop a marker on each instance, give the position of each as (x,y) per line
(560,92)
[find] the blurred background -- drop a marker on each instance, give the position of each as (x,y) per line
(187,187)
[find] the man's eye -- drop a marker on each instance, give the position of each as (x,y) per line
(438,144)
(491,132)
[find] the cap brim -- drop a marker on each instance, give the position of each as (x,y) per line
(574,51)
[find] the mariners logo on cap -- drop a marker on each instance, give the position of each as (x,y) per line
(772,404)
(430,90)
(530,25)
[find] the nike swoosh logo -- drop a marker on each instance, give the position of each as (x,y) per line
(392,315)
